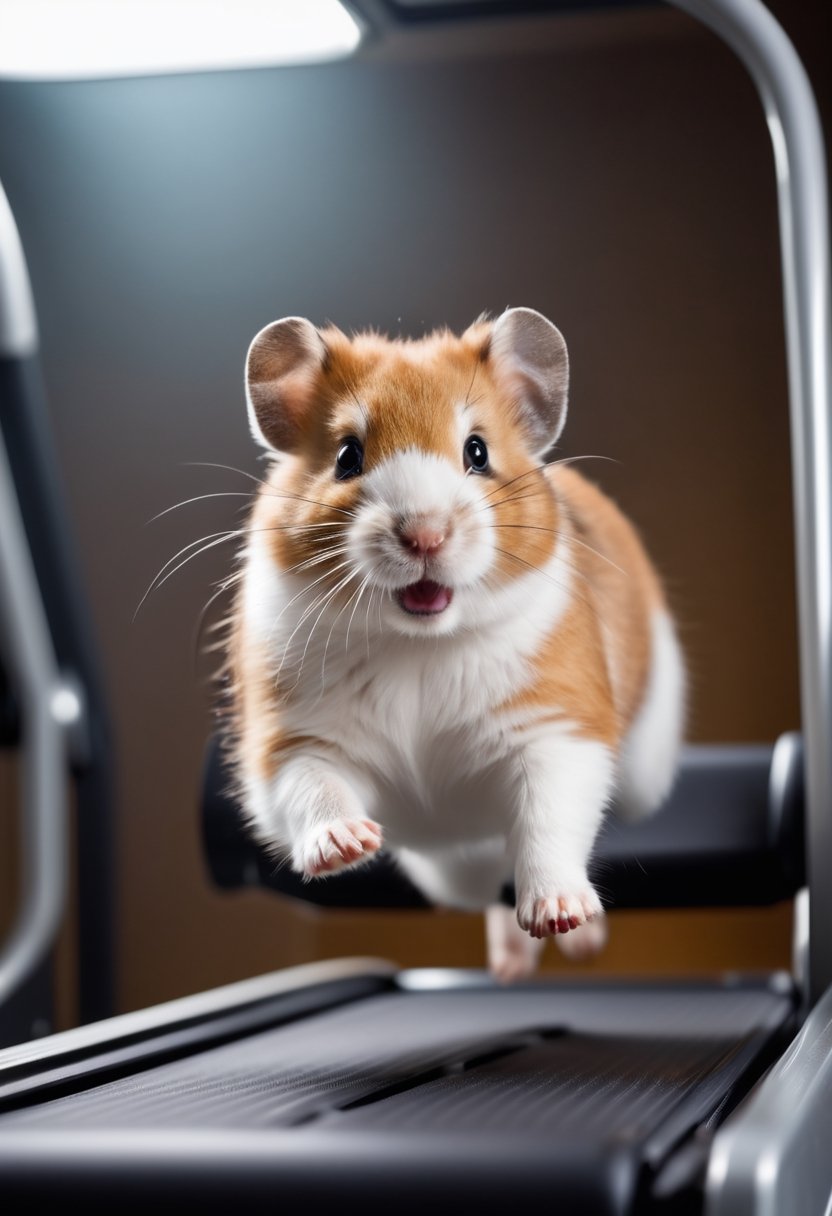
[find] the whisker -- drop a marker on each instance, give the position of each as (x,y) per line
(538,468)
(529,528)
(520,495)
(215,538)
(529,565)
(361,591)
(307,612)
(272,492)
(229,532)
(229,468)
(199,498)
(471,385)
(197,636)
(549,464)
(574,540)
(370,599)
(585,599)
(316,559)
(327,506)
(568,538)
(222,539)
(304,591)
(338,616)
(588,456)
(343,583)
(573,570)
(351,389)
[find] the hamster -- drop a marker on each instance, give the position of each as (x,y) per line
(442,644)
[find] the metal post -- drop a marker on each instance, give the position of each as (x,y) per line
(46,710)
(749,28)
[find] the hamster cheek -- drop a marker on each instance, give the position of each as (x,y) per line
(371,544)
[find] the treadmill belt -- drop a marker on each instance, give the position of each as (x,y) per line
(592,1084)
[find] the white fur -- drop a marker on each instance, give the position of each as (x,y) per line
(403,709)
(406,722)
(418,487)
(651,750)
(568,782)
(411,716)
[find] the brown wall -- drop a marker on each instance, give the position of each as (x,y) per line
(623,185)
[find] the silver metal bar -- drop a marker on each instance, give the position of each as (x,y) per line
(791,113)
(18,325)
(33,673)
(772,1155)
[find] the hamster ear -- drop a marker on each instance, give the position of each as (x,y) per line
(283,369)
(529,360)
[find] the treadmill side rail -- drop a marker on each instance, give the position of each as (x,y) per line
(772,1156)
(82,1042)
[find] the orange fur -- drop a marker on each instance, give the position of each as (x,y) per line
(403,394)
(616,591)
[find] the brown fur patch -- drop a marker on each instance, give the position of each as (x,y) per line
(400,394)
(616,593)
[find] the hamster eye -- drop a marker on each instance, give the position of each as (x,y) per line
(476,455)
(350,459)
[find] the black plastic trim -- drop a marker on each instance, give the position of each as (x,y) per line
(728,835)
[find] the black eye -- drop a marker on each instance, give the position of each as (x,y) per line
(476,455)
(350,459)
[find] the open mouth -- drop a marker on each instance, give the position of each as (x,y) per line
(425,598)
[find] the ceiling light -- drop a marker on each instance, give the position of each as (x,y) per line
(88,39)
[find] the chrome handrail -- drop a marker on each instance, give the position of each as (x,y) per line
(800,161)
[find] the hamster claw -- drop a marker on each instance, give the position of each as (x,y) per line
(337,845)
(550,915)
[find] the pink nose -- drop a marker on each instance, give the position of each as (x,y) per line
(421,539)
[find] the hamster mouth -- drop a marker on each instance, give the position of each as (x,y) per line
(425,598)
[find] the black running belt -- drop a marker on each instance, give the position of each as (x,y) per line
(587,1090)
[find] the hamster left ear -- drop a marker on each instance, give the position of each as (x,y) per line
(529,360)
(284,366)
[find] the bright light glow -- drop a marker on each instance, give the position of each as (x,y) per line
(66,706)
(89,39)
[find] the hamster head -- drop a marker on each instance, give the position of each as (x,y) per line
(409,472)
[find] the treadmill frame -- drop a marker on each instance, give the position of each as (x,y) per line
(757,1163)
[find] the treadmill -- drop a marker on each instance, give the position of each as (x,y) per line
(352,1082)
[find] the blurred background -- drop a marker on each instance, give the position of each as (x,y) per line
(611,169)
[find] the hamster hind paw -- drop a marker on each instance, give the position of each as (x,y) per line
(512,954)
(586,941)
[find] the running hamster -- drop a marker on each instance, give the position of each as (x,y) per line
(443,643)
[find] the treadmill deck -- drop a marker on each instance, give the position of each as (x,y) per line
(415,1095)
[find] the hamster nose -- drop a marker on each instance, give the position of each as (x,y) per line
(421,539)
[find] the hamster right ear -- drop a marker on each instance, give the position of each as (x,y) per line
(283,369)
(529,359)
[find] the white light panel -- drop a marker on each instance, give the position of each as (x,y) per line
(95,39)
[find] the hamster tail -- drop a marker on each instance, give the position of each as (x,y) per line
(650,751)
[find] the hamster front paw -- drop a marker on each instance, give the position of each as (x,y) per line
(548,915)
(334,846)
